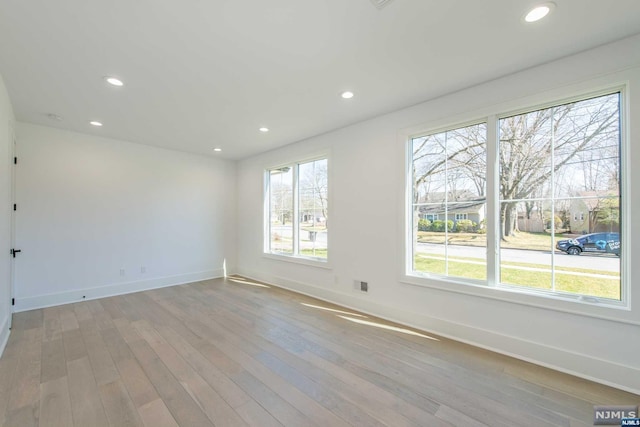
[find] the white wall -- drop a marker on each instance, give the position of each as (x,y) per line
(6,123)
(367,169)
(89,207)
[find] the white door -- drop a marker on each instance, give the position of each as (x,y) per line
(12,268)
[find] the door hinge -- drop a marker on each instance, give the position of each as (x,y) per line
(15,206)
(13,301)
(15,160)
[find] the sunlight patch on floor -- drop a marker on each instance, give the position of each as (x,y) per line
(388,327)
(244,281)
(333,310)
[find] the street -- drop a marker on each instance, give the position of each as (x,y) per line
(604,263)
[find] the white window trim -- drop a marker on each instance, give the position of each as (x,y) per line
(619,311)
(294,258)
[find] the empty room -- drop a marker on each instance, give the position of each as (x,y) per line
(329,213)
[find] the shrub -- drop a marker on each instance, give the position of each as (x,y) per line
(438,225)
(482,227)
(424,225)
(557,223)
(465,225)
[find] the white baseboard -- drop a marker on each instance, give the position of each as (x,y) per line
(49,300)
(4,333)
(580,365)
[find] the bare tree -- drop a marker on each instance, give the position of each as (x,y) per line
(535,145)
(314,188)
(281,196)
(573,143)
(461,152)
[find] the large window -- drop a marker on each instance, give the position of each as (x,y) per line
(556,219)
(298,210)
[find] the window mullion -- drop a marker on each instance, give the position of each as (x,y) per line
(553,199)
(296,210)
(268,212)
(493,201)
(446,205)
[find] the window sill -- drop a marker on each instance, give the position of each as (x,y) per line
(573,304)
(311,262)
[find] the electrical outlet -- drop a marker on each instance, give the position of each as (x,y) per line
(359,285)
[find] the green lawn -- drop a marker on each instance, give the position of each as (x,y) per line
(520,240)
(584,285)
(318,252)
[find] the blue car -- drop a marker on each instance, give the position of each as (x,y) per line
(605,243)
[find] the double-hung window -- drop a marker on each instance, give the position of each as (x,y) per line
(297,210)
(553,162)
(556,201)
(448,185)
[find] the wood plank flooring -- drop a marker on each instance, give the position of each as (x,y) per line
(239,353)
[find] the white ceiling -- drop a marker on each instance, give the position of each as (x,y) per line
(201,74)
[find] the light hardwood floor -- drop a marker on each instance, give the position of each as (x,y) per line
(235,353)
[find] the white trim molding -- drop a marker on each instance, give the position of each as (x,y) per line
(67,297)
(4,333)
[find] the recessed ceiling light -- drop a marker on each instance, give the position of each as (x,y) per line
(539,12)
(114,81)
(347,95)
(264,129)
(217,150)
(95,123)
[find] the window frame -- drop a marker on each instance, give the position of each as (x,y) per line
(295,256)
(408,263)
(491,287)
